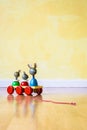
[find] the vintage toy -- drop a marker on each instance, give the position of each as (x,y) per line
(24,86)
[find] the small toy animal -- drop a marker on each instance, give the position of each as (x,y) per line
(33,71)
(17,74)
(25,76)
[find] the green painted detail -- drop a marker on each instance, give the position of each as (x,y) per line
(15,83)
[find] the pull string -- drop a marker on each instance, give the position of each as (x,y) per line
(55,102)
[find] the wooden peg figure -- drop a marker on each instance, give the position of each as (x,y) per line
(33,71)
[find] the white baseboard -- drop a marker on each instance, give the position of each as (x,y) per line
(52,83)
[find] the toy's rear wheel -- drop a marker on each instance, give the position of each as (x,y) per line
(19,90)
(10,89)
(39,91)
(28,90)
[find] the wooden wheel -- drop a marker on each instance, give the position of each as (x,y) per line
(28,90)
(39,91)
(19,90)
(10,89)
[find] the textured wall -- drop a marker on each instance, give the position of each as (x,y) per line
(52,33)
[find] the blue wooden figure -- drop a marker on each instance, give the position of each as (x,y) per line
(33,71)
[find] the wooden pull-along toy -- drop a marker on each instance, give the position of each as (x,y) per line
(25,86)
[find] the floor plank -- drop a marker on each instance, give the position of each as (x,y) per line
(34,113)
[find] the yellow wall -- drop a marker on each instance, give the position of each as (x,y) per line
(52,33)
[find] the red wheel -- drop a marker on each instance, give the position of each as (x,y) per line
(10,89)
(19,90)
(39,91)
(28,90)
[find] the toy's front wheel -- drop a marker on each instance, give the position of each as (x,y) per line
(28,90)
(19,90)
(10,89)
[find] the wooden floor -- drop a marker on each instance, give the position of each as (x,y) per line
(44,112)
